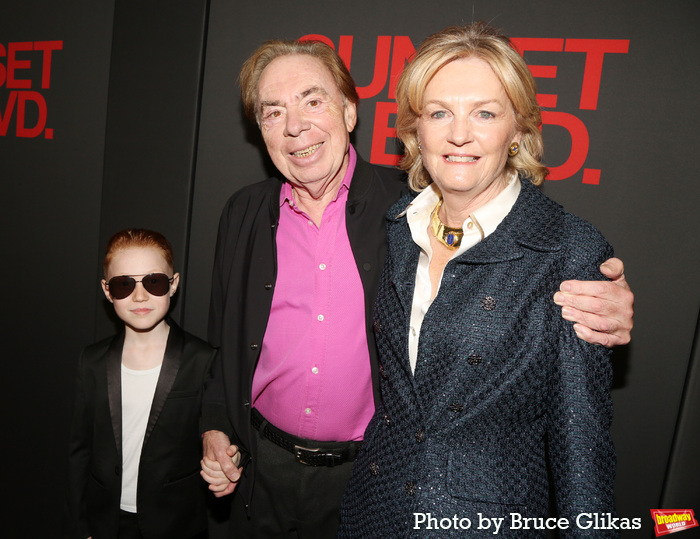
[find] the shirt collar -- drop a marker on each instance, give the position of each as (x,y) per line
(482,222)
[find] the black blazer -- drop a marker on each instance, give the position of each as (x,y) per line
(243,282)
(171,493)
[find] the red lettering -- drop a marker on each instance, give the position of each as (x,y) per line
(381,133)
(13,64)
(3,71)
(579,144)
(390,62)
(345,49)
(381,69)
(595,50)
(23,130)
(5,117)
(591,176)
(344,45)
(542,44)
(47,47)
(403,51)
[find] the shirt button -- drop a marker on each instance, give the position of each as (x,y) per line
(307,411)
(488,303)
(470,225)
(321,267)
(311,223)
(314,370)
(320,318)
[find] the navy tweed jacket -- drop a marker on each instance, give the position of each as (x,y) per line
(505,400)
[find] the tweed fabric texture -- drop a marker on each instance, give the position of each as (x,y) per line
(505,398)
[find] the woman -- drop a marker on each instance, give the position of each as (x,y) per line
(486,390)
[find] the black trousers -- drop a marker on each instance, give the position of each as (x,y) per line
(290,499)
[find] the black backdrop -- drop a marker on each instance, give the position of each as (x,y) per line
(123,113)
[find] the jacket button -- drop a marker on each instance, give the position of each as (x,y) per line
(488,303)
(374,468)
(456,407)
(474,359)
(410,488)
(366,266)
(253,346)
(387,420)
(268,286)
(420,435)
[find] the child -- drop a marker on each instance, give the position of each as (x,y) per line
(135,447)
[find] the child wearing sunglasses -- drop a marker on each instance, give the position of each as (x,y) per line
(135,448)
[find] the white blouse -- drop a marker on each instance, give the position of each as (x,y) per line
(476,227)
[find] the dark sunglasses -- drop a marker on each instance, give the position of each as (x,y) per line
(157,284)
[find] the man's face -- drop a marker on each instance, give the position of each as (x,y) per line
(305,121)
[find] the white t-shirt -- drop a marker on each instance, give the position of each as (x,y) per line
(138,388)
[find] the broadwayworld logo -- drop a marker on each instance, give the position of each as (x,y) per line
(672,520)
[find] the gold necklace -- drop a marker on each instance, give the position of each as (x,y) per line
(448,236)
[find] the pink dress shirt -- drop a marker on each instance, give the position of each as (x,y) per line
(313,378)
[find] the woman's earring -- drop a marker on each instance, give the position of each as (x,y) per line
(513,149)
(420,146)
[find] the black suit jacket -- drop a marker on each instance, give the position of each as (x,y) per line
(244,276)
(171,493)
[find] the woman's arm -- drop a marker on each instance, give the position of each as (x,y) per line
(581,452)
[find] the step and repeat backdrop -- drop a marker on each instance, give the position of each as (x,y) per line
(125,113)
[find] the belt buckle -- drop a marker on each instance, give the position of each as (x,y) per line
(331,458)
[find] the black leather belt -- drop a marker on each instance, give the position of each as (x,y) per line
(309,452)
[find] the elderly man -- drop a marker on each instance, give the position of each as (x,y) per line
(297,265)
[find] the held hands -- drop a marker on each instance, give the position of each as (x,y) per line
(220,463)
(602,310)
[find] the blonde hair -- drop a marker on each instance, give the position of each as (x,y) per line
(252,70)
(456,42)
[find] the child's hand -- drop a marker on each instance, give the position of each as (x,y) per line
(220,463)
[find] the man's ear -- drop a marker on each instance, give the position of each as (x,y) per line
(350,116)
